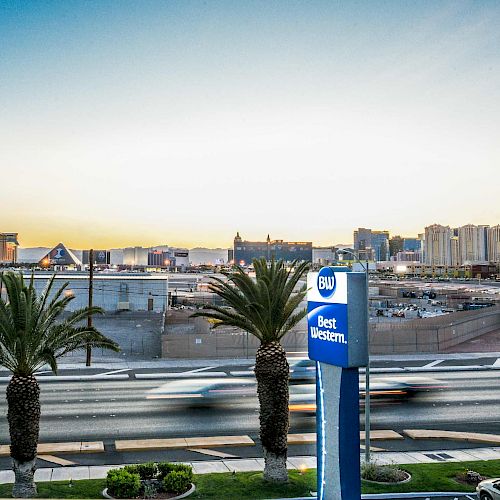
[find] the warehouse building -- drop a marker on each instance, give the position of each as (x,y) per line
(112,291)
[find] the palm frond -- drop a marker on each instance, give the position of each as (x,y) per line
(264,306)
(33,331)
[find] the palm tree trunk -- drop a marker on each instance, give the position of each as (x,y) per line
(23,399)
(272,373)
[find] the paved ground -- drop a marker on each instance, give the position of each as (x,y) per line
(490,342)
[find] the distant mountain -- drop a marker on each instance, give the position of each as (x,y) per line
(211,256)
(31,255)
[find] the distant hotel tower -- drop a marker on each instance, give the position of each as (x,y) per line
(246,251)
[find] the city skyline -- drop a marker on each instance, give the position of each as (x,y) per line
(191,121)
(260,236)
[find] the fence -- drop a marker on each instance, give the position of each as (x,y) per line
(432,334)
(187,337)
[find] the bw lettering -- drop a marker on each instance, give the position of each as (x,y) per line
(326,282)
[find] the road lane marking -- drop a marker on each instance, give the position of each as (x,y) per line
(212,453)
(56,460)
(433,363)
(113,372)
(200,369)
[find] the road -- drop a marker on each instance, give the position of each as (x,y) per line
(119,409)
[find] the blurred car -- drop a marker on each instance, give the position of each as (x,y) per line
(382,391)
(489,489)
(206,391)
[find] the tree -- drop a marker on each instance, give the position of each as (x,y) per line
(33,333)
(266,307)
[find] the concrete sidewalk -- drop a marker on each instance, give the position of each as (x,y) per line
(257,464)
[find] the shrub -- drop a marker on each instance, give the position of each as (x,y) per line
(176,482)
(147,470)
(470,477)
(165,468)
(383,473)
(123,484)
(133,469)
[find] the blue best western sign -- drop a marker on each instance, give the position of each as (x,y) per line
(336,330)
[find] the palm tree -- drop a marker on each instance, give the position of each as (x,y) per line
(33,333)
(267,308)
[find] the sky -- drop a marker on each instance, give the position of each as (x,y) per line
(181,122)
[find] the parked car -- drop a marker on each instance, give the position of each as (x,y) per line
(489,489)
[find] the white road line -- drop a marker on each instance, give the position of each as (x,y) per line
(470,498)
(433,363)
(200,369)
(496,363)
(113,372)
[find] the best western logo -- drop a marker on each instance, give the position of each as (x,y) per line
(327,334)
(326,282)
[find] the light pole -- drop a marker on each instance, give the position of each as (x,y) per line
(367,372)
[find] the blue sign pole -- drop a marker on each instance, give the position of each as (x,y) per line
(337,340)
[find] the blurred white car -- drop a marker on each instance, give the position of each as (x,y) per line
(489,489)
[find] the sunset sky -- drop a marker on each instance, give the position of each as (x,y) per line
(181,122)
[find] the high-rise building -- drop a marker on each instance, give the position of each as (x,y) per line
(246,251)
(472,244)
(8,248)
(494,243)
(380,245)
(454,251)
(412,244)
(395,245)
(437,245)
(371,245)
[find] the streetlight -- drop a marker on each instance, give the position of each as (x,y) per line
(367,372)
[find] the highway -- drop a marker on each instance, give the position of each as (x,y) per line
(119,409)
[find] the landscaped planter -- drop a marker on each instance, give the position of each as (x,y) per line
(406,480)
(191,490)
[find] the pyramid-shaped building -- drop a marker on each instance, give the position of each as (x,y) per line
(60,256)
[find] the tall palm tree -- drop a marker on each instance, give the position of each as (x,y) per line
(33,333)
(267,308)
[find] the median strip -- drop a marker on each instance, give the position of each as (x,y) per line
(73,378)
(473,437)
(70,447)
(310,437)
(178,443)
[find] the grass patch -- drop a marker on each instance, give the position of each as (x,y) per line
(436,477)
(250,485)
(90,488)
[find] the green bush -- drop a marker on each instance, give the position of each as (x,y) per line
(147,470)
(165,468)
(382,473)
(123,484)
(133,469)
(176,482)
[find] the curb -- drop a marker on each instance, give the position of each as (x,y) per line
(430,494)
(72,378)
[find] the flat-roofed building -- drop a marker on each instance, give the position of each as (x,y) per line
(246,251)
(111,291)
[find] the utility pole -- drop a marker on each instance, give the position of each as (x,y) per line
(91,293)
(367,373)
